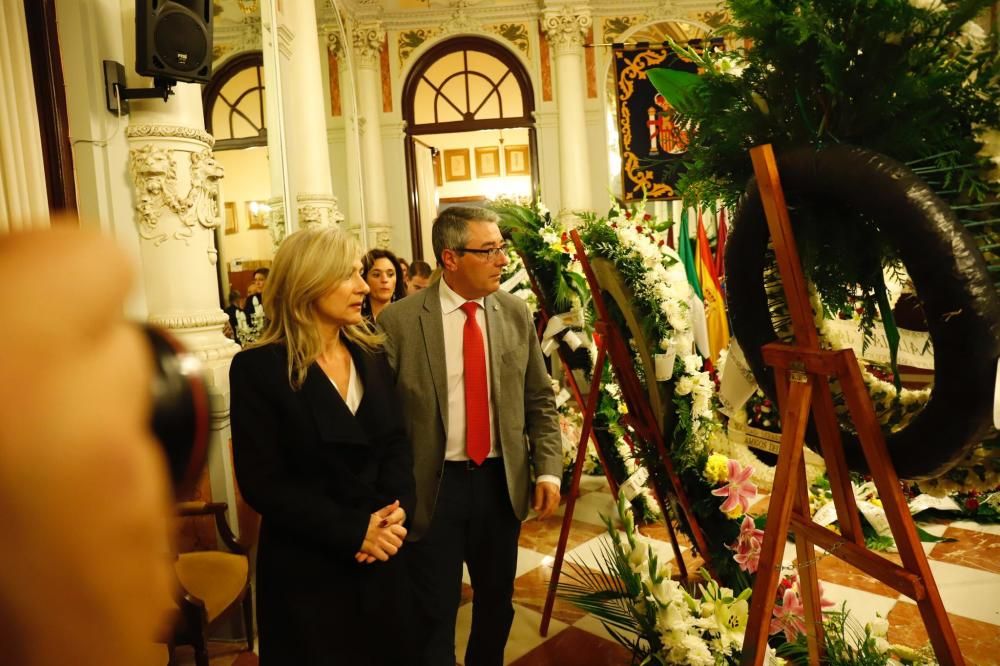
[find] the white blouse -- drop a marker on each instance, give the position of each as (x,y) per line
(355,391)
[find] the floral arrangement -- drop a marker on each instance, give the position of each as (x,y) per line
(247,332)
(610,408)
(661,296)
(653,615)
(570,427)
(540,246)
(912,79)
(663,621)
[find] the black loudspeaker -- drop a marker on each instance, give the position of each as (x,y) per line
(173,39)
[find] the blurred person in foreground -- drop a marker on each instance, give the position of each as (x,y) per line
(321,453)
(85,508)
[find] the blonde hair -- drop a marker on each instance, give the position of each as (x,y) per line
(308,263)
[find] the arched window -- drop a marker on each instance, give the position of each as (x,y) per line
(466,84)
(234,103)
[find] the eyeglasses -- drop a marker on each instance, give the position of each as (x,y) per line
(490,253)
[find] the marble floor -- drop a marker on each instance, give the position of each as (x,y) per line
(967,573)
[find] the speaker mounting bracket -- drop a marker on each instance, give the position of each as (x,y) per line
(117,95)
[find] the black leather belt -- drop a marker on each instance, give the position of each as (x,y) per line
(470,466)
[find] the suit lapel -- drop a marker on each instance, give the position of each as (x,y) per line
(334,420)
(432,328)
(495,332)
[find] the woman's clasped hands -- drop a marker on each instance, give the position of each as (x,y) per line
(385,534)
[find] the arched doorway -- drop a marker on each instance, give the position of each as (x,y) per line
(233,103)
(475,99)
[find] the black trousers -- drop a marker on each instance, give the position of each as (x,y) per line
(474,523)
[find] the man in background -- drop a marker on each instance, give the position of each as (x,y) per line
(420,277)
(473,385)
(255,292)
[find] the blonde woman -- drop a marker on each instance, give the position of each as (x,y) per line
(322,455)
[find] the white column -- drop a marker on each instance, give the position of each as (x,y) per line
(565,28)
(366,40)
(305,122)
(176,198)
(352,133)
(23,199)
(307,158)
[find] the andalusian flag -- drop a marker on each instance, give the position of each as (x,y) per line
(711,293)
(699,324)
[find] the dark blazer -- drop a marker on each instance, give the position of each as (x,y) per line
(521,391)
(315,472)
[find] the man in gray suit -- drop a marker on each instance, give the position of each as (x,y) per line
(476,397)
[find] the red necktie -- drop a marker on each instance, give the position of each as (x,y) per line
(477,406)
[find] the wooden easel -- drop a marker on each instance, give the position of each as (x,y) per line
(611,346)
(574,388)
(802,373)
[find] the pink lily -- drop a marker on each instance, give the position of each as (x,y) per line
(789,616)
(747,545)
(739,490)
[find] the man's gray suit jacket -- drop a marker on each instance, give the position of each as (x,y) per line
(524,411)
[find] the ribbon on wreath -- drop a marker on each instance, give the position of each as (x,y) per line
(664,363)
(737,382)
(560,327)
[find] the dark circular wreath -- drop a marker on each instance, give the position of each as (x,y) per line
(948,272)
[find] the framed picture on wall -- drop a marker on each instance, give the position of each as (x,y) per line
(487,162)
(516,160)
(456,164)
(257,214)
(231,226)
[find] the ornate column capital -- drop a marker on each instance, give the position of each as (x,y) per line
(366,39)
(565,27)
(318,210)
(334,44)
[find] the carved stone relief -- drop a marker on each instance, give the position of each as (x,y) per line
(383,237)
(154,175)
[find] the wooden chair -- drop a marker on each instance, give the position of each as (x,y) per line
(211,582)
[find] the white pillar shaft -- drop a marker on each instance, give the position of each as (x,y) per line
(23,198)
(176,184)
(352,144)
(574,161)
(305,114)
(376,211)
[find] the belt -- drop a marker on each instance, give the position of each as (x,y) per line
(471,466)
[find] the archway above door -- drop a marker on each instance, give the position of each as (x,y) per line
(462,84)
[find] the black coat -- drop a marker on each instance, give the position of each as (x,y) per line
(315,472)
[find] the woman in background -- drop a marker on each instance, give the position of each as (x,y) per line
(383,274)
(321,454)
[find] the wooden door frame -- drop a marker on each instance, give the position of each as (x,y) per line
(527,120)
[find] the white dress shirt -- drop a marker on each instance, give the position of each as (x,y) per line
(355,391)
(454,318)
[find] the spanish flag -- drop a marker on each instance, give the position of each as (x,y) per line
(711,291)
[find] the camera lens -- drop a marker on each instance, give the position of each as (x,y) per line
(180,409)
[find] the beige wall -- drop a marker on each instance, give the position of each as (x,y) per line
(247,179)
